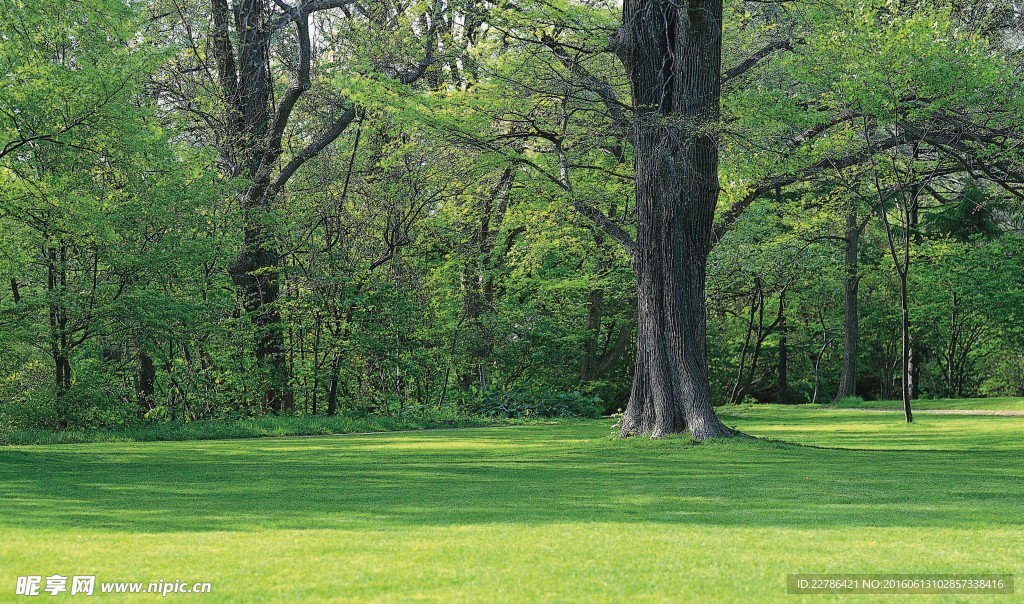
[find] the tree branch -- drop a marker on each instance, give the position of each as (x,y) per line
(756,58)
(429,47)
(304,9)
(299,85)
(326,138)
(601,220)
(227,72)
(736,209)
(592,82)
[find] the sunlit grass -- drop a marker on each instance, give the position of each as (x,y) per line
(533,513)
(856,429)
(994,404)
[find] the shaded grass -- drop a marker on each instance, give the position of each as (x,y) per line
(558,512)
(253,428)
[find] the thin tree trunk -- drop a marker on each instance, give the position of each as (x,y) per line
(906,350)
(783,384)
(478,280)
(953,348)
(595,312)
(332,395)
(754,303)
(817,377)
(825,341)
(913,219)
(59,340)
(147,382)
(908,345)
(597,359)
(848,375)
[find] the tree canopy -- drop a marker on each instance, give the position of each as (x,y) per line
(239,207)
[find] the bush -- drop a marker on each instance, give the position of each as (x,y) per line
(518,404)
(94,400)
(850,401)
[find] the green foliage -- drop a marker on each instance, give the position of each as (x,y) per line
(95,400)
(519,404)
(232,428)
(434,253)
(849,401)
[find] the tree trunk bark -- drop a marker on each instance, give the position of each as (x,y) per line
(147,382)
(672,56)
(913,222)
(332,393)
(256,271)
(848,377)
(59,337)
(783,385)
(257,275)
(906,352)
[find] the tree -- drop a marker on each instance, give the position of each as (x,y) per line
(254,45)
(851,282)
(257,129)
(672,55)
(97,204)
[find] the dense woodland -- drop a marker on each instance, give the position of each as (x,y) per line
(226,208)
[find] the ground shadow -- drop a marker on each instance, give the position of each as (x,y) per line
(532,475)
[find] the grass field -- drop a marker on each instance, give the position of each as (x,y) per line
(225,429)
(990,404)
(557,512)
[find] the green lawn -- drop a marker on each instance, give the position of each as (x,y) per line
(283,425)
(996,404)
(528,513)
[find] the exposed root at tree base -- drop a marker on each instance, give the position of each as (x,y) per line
(699,437)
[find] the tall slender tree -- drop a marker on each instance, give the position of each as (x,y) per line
(851,242)
(243,39)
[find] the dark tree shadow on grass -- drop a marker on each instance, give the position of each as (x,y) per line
(521,476)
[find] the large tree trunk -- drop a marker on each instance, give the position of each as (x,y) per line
(672,54)
(256,273)
(671,391)
(848,376)
(248,92)
(257,120)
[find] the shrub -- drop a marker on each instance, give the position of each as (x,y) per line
(850,401)
(517,404)
(94,400)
